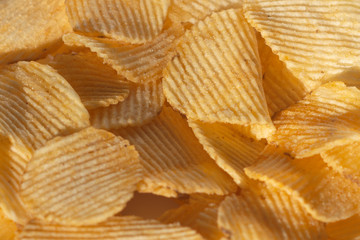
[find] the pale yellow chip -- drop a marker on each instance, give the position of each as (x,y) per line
(198,216)
(132,21)
(144,102)
(347,229)
(216,76)
(82,178)
(98,85)
(315,38)
(29,29)
(138,63)
(173,159)
(326,118)
(282,89)
(115,228)
(191,11)
(265,214)
(324,193)
(7,228)
(228,146)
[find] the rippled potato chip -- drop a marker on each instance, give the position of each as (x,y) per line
(31,28)
(131,21)
(325,194)
(138,63)
(347,229)
(326,118)
(144,102)
(82,178)
(98,85)
(116,228)
(264,213)
(216,75)
(228,146)
(7,227)
(173,159)
(315,39)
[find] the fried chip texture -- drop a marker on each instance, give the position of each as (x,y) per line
(98,85)
(228,146)
(115,228)
(266,214)
(82,178)
(131,21)
(216,75)
(144,102)
(326,118)
(314,38)
(25,37)
(324,193)
(173,159)
(7,227)
(138,63)
(347,229)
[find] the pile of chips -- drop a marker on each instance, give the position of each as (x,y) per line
(244,112)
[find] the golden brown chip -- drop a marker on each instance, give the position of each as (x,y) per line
(115,228)
(281,87)
(82,178)
(7,227)
(326,118)
(98,85)
(315,39)
(173,159)
(347,229)
(325,194)
(228,146)
(138,63)
(144,102)
(30,29)
(264,213)
(132,21)
(216,76)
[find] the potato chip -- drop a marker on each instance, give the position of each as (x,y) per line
(173,159)
(132,21)
(98,85)
(82,178)
(326,118)
(347,229)
(138,63)
(264,213)
(281,87)
(25,37)
(7,228)
(216,76)
(129,227)
(314,38)
(144,102)
(325,194)
(198,216)
(228,146)
(191,11)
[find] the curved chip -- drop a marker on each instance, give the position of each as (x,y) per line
(173,159)
(347,229)
(98,85)
(326,118)
(325,194)
(216,76)
(115,228)
(132,21)
(144,102)
(7,228)
(266,214)
(314,38)
(28,37)
(82,178)
(282,89)
(138,63)
(228,146)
